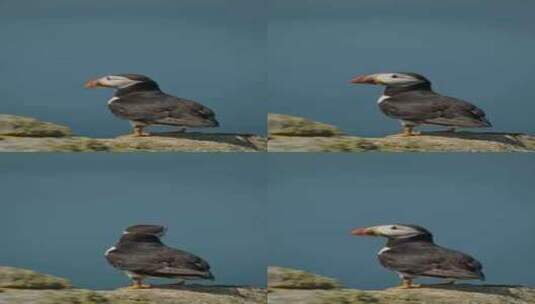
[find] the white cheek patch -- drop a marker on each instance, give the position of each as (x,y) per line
(399,80)
(396,233)
(117,81)
(400,232)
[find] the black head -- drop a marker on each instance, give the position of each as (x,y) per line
(139,238)
(136,77)
(157,230)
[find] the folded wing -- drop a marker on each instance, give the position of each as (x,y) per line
(432,261)
(162,262)
(431,108)
(160,108)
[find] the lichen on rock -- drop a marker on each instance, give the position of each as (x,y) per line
(24,134)
(292,141)
(22,286)
(279,277)
(11,277)
(12,125)
(287,125)
(427,294)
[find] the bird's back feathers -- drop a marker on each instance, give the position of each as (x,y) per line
(428,259)
(155,259)
(156,107)
(425,106)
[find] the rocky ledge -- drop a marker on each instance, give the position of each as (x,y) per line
(286,287)
(295,134)
(23,134)
(21,286)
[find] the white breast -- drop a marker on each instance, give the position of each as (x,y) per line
(114,98)
(385,249)
(109,250)
(382,98)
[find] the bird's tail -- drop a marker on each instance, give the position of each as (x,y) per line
(213,123)
(481,275)
(485,122)
(208,123)
(209,276)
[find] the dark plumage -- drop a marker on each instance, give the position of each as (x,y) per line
(142,254)
(140,100)
(157,230)
(411,252)
(409,98)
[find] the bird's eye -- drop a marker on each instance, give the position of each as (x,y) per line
(394,228)
(394,76)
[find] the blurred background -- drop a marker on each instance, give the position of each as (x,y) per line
(212,51)
(480,51)
(479,204)
(60,213)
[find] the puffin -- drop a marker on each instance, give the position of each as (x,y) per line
(411,252)
(409,98)
(140,254)
(139,99)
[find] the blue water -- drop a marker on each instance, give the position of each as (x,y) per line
(61,212)
(480,51)
(480,204)
(212,51)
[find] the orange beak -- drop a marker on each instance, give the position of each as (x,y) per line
(369,79)
(363,232)
(93,83)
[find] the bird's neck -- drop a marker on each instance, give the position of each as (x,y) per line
(419,238)
(394,90)
(142,86)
